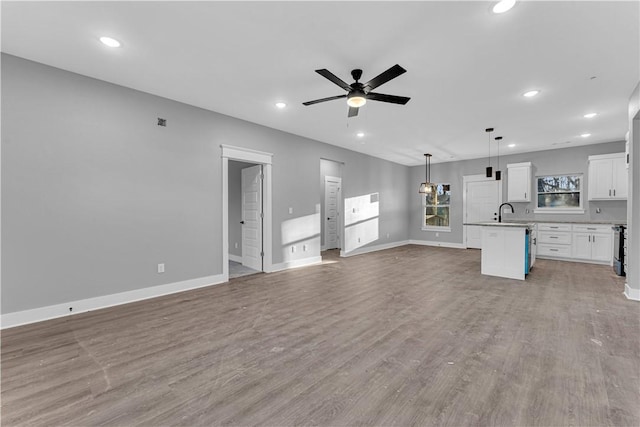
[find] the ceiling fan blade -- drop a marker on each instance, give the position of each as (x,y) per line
(391,73)
(330,76)
(331,98)
(387,98)
(353,111)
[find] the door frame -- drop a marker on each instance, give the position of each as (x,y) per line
(257,157)
(339,220)
(465,180)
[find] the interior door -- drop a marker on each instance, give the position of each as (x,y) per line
(332,212)
(252,217)
(481,205)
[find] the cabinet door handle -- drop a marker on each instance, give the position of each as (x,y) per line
(589,238)
(553,250)
(594,239)
(525,194)
(553,227)
(609,192)
(553,237)
(614,191)
(590,228)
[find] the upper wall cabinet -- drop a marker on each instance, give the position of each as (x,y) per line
(519,182)
(608,177)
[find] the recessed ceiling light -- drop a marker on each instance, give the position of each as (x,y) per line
(511,145)
(503,6)
(360,134)
(111,42)
(531,93)
(585,135)
(590,115)
(281,105)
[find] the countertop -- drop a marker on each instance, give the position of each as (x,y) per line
(502,224)
(544,221)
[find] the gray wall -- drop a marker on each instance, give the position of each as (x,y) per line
(550,162)
(95,194)
(235,206)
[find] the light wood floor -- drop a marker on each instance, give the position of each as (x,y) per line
(407,336)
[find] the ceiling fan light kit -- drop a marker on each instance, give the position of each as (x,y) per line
(359,93)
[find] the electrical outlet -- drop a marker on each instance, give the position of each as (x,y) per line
(290,210)
(161,268)
(293,249)
(236,245)
(304,248)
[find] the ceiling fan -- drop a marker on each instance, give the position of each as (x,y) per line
(359,93)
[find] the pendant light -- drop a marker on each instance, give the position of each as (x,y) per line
(489,173)
(425,187)
(498,172)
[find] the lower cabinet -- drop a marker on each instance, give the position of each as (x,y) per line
(592,242)
(583,242)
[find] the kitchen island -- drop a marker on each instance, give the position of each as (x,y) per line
(508,249)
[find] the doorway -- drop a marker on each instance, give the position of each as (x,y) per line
(246,197)
(332,197)
(331,223)
(481,198)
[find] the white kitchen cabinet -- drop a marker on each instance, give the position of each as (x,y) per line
(608,177)
(519,182)
(580,242)
(554,240)
(592,242)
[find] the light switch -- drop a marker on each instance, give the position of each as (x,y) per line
(290,210)
(161,268)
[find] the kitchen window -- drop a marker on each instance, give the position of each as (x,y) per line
(559,194)
(436,208)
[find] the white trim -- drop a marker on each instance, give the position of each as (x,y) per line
(246,154)
(630,293)
(465,180)
(375,248)
(235,258)
(252,156)
(437,228)
(438,244)
(305,262)
(518,165)
(10,320)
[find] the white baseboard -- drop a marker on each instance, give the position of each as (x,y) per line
(436,243)
(235,258)
(630,293)
(374,248)
(10,320)
(296,263)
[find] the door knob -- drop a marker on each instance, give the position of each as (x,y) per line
(241,222)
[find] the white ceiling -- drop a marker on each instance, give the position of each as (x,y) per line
(466,67)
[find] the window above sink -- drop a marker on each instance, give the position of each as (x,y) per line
(559,194)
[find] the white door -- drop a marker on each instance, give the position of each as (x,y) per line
(481,205)
(332,212)
(252,217)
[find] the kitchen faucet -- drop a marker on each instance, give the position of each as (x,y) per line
(500,210)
